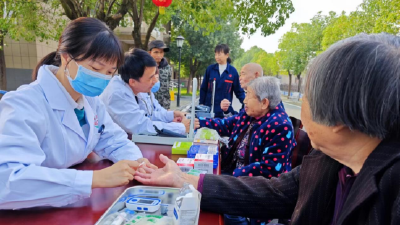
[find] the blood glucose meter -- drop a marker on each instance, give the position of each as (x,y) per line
(143,204)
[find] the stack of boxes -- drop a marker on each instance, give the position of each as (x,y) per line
(201,155)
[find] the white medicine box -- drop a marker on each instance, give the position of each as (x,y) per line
(185,164)
(204,162)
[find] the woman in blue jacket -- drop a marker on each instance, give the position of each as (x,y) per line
(227,82)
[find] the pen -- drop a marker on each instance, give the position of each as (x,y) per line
(101,129)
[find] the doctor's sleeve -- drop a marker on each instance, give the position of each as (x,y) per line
(160,114)
(24,182)
(128,115)
(114,143)
(239,92)
(204,88)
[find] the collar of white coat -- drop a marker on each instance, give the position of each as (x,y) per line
(59,99)
(56,94)
(125,87)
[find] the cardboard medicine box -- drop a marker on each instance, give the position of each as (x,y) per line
(185,164)
(204,162)
(204,149)
(181,148)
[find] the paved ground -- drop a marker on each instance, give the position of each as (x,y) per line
(185,100)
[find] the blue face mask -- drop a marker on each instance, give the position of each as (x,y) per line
(156,87)
(88,82)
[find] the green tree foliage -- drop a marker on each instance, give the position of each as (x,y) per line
(265,15)
(388,15)
(268,16)
(372,16)
(26,19)
(302,43)
(346,26)
(268,61)
(247,57)
(198,50)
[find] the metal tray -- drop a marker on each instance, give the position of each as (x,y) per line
(169,196)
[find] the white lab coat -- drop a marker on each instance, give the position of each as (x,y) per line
(149,103)
(133,116)
(40,137)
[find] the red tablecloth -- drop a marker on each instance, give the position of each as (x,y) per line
(88,211)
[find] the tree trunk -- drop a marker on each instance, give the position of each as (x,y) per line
(3,75)
(198,81)
(113,20)
(290,83)
(137,36)
(299,79)
(74,9)
(194,67)
(168,30)
(150,29)
(137,17)
(190,82)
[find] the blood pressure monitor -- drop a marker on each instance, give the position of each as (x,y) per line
(143,204)
(151,192)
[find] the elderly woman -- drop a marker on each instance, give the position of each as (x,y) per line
(351,112)
(260,136)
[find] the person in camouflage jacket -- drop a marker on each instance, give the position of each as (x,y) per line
(157,48)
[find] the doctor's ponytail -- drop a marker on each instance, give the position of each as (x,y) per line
(50,59)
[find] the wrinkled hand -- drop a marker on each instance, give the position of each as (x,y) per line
(225,105)
(186,122)
(145,163)
(178,116)
(170,175)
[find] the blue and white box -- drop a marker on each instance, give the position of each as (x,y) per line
(204,149)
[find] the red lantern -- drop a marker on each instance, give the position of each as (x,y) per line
(162,4)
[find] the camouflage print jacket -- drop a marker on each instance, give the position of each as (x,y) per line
(162,95)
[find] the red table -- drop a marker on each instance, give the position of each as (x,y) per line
(89,210)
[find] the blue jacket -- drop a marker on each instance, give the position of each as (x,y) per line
(270,146)
(226,84)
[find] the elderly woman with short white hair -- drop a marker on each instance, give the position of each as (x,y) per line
(260,136)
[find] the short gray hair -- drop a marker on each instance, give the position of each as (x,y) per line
(267,87)
(356,83)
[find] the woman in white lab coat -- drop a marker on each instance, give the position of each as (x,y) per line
(56,121)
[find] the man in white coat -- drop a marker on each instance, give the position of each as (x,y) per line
(126,93)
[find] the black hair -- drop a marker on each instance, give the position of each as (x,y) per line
(225,49)
(85,38)
(136,61)
(356,83)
